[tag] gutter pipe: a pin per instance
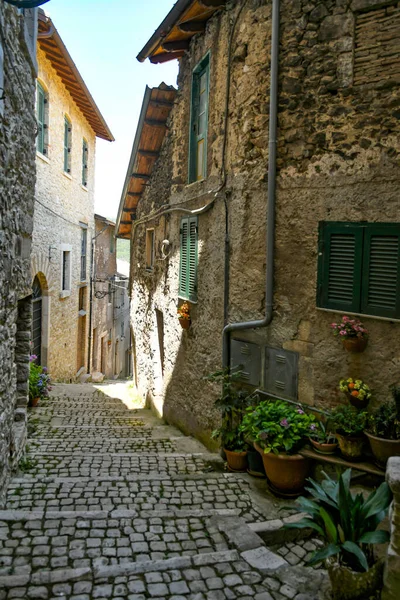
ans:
(270, 233)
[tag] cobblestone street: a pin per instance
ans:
(110, 503)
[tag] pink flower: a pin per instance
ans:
(300, 411)
(284, 423)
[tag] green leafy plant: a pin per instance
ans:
(348, 420)
(356, 388)
(320, 432)
(39, 380)
(347, 522)
(231, 404)
(277, 426)
(384, 422)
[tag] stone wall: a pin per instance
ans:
(17, 183)
(62, 204)
(391, 589)
(338, 160)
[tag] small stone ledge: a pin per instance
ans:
(273, 532)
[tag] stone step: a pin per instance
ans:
(95, 433)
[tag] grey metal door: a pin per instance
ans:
(37, 319)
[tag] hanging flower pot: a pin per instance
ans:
(355, 344)
(185, 323)
(184, 315)
(352, 333)
(33, 402)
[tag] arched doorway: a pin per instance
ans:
(37, 319)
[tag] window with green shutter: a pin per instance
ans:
(199, 121)
(359, 268)
(41, 101)
(188, 259)
(67, 144)
(85, 155)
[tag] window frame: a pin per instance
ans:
(112, 241)
(42, 125)
(66, 249)
(185, 291)
(85, 162)
(194, 139)
(363, 233)
(84, 238)
(67, 144)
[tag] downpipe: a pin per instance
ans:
(271, 196)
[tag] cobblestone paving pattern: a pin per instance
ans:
(96, 514)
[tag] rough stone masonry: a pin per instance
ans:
(17, 184)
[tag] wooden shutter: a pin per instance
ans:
(188, 259)
(199, 121)
(381, 270)
(84, 162)
(67, 127)
(40, 118)
(340, 264)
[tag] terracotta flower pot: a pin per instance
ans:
(351, 446)
(185, 323)
(237, 461)
(286, 472)
(324, 448)
(351, 585)
(256, 465)
(355, 344)
(383, 449)
(33, 402)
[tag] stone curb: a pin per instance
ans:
(272, 532)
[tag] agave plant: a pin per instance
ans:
(346, 521)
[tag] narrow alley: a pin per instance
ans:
(111, 503)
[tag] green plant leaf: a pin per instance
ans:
(330, 527)
(303, 524)
(375, 537)
(356, 551)
(377, 501)
(323, 554)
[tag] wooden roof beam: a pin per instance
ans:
(212, 3)
(176, 46)
(143, 176)
(134, 194)
(192, 26)
(161, 104)
(165, 57)
(148, 153)
(155, 123)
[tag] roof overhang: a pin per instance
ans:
(150, 133)
(104, 220)
(50, 42)
(172, 38)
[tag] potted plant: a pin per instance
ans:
(357, 392)
(254, 459)
(184, 315)
(279, 431)
(348, 524)
(231, 404)
(39, 382)
(349, 426)
(383, 430)
(323, 440)
(352, 333)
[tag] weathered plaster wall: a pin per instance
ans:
(337, 160)
(62, 202)
(17, 182)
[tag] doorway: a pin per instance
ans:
(37, 320)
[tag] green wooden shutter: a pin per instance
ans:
(188, 259)
(199, 121)
(183, 269)
(381, 271)
(192, 251)
(84, 162)
(40, 118)
(340, 266)
(67, 127)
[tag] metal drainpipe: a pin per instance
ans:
(270, 236)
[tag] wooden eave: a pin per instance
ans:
(62, 63)
(150, 133)
(170, 41)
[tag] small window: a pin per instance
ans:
(149, 249)
(83, 253)
(199, 121)
(188, 259)
(42, 119)
(112, 241)
(122, 329)
(109, 292)
(67, 144)
(359, 268)
(82, 298)
(66, 270)
(85, 155)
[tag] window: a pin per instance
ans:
(122, 329)
(109, 292)
(83, 252)
(359, 268)
(85, 155)
(112, 241)
(199, 121)
(1, 80)
(67, 144)
(66, 271)
(82, 299)
(149, 249)
(188, 261)
(41, 115)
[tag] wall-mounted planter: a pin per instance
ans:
(356, 402)
(185, 323)
(355, 344)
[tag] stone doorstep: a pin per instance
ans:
(273, 533)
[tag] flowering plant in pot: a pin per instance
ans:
(231, 404)
(347, 522)
(352, 333)
(383, 431)
(39, 381)
(323, 440)
(357, 392)
(349, 426)
(183, 313)
(279, 430)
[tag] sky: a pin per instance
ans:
(103, 38)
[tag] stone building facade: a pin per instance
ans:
(110, 308)
(68, 123)
(337, 163)
(18, 70)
